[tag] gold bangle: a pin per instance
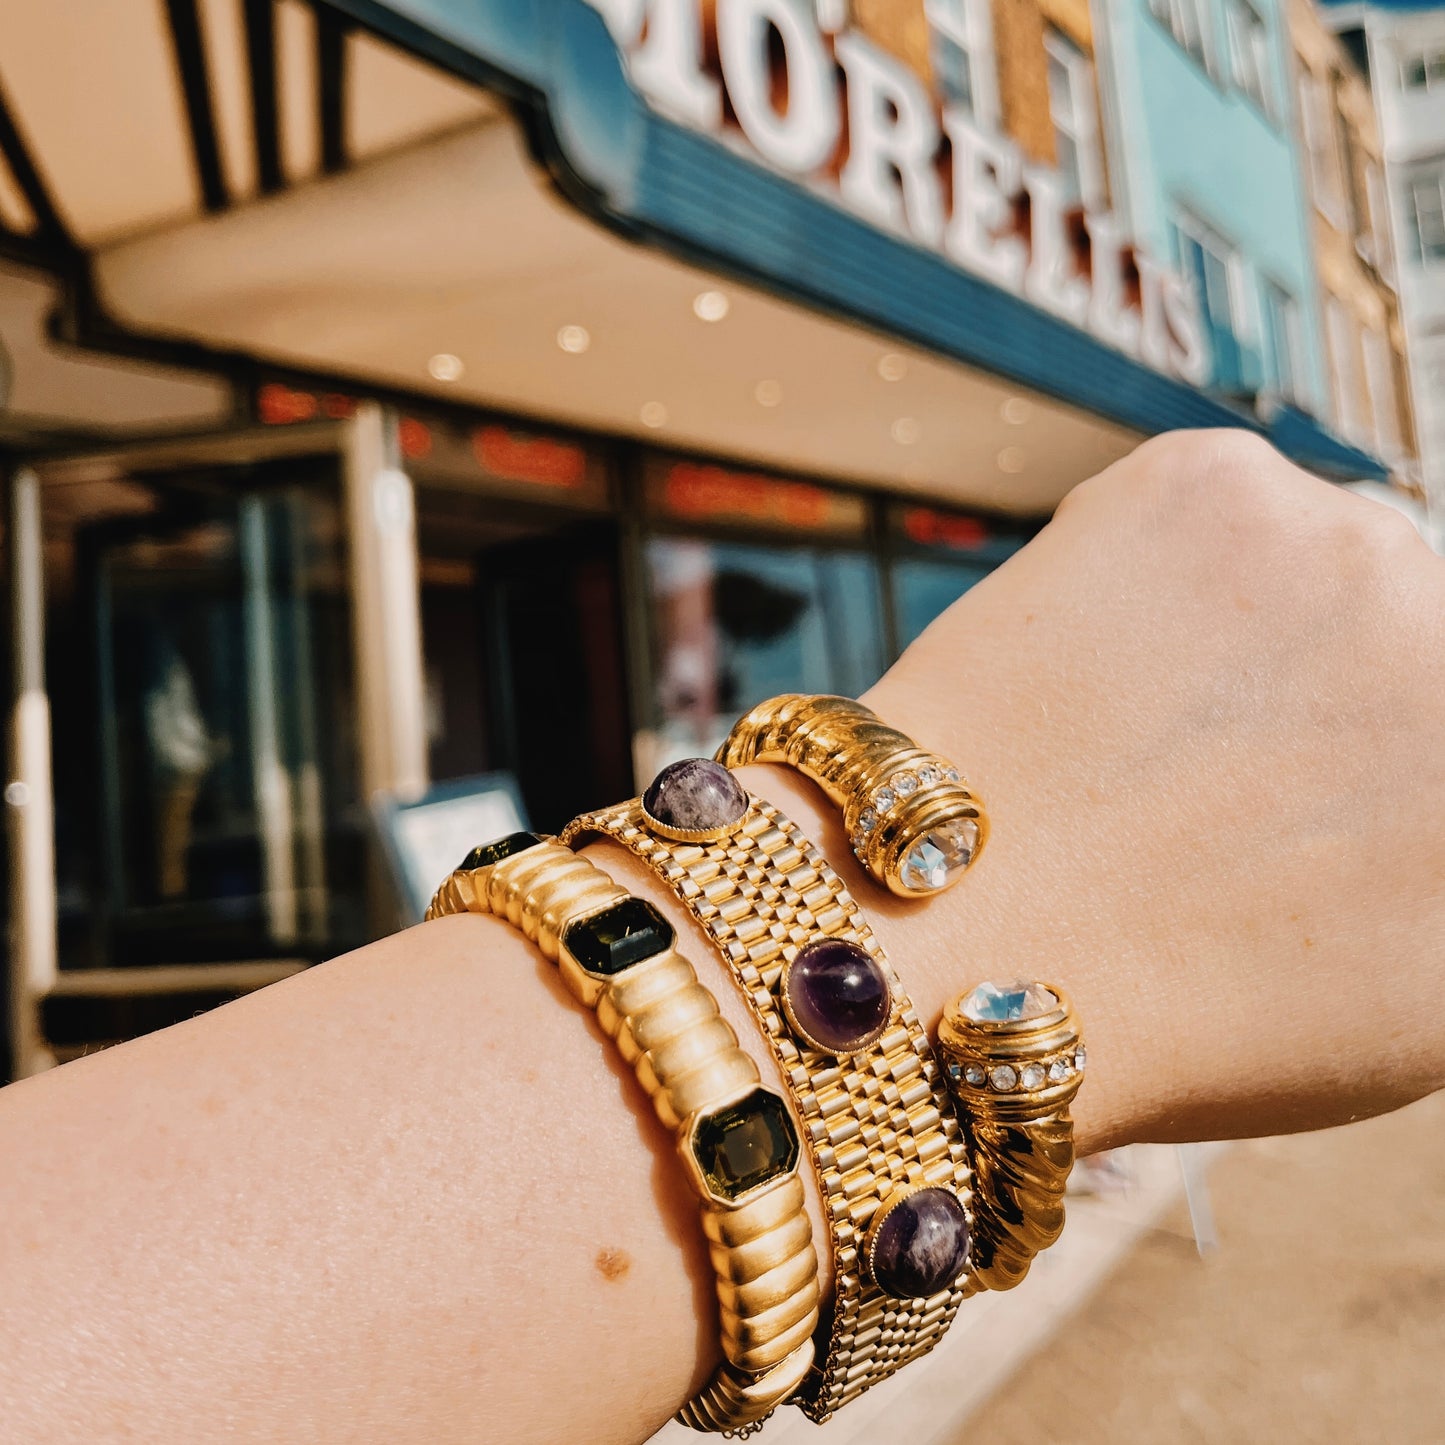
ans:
(888, 1149)
(736, 1138)
(911, 818)
(1014, 1060)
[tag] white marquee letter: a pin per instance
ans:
(801, 139)
(987, 173)
(1052, 281)
(668, 68)
(891, 126)
(1188, 351)
(1111, 318)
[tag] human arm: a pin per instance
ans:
(406, 1196)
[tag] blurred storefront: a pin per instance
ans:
(407, 392)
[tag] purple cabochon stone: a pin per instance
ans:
(695, 795)
(922, 1245)
(838, 994)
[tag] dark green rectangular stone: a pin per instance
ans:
(499, 848)
(618, 937)
(746, 1144)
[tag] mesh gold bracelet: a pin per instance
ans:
(1014, 1051)
(737, 1139)
(890, 1154)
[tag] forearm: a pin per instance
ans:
(410, 1186)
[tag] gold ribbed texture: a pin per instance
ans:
(844, 748)
(666, 1025)
(875, 1120)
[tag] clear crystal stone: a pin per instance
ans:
(975, 1075)
(1033, 1076)
(1058, 1071)
(867, 820)
(884, 799)
(1080, 1058)
(928, 775)
(1003, 1077)
(954, 1072)
(905, 784)
(952, 774)
(932, 861)
(1009, 1003)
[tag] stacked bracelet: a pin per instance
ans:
(737, 1138)
(890, 1154)
(1014, 1050)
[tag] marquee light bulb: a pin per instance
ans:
(710, 305)
(446, 367)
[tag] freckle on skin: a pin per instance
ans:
(612, 1264)
(213, 1104)
(1309, 942)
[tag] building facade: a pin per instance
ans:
(376, 366)
(1355, 256)
(1201, 117)
(1402, 49)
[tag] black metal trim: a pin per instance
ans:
(190, 54)
(260, 17)
(48, 225)
(332, 78)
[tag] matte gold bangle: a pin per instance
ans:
(890, 1154)
(913, 821)
(736, 1138)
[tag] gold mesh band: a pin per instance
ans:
(877, 1120)
(666, 1025)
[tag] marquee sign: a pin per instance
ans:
(825, 106)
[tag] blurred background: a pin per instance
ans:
(418, 417)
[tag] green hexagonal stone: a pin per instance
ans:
(628, 932)
(497, 849)
(746, 1144)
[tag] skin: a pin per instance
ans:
(401, 1198)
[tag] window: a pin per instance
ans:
(962, 50)
(1425, 214)
(1249, 53)
(1380, 375)
(1424, 70)
(1075, 120)
(736, 622)
(1321, 137)
(1345, 370)
(1188, 22)
(1281, 318)
(1215, 268)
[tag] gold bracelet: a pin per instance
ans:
(890, 1154)
(1015, 1050)
(737, 1139)
(1014, 1060)
(911, 818)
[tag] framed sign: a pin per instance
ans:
(425, 838)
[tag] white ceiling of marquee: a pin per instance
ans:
(457, 248)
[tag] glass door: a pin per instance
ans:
(228, 809)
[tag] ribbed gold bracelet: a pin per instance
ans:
(737, 1139)
(890, 1154)
(913, 821)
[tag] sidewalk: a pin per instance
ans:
(1321, 1321)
